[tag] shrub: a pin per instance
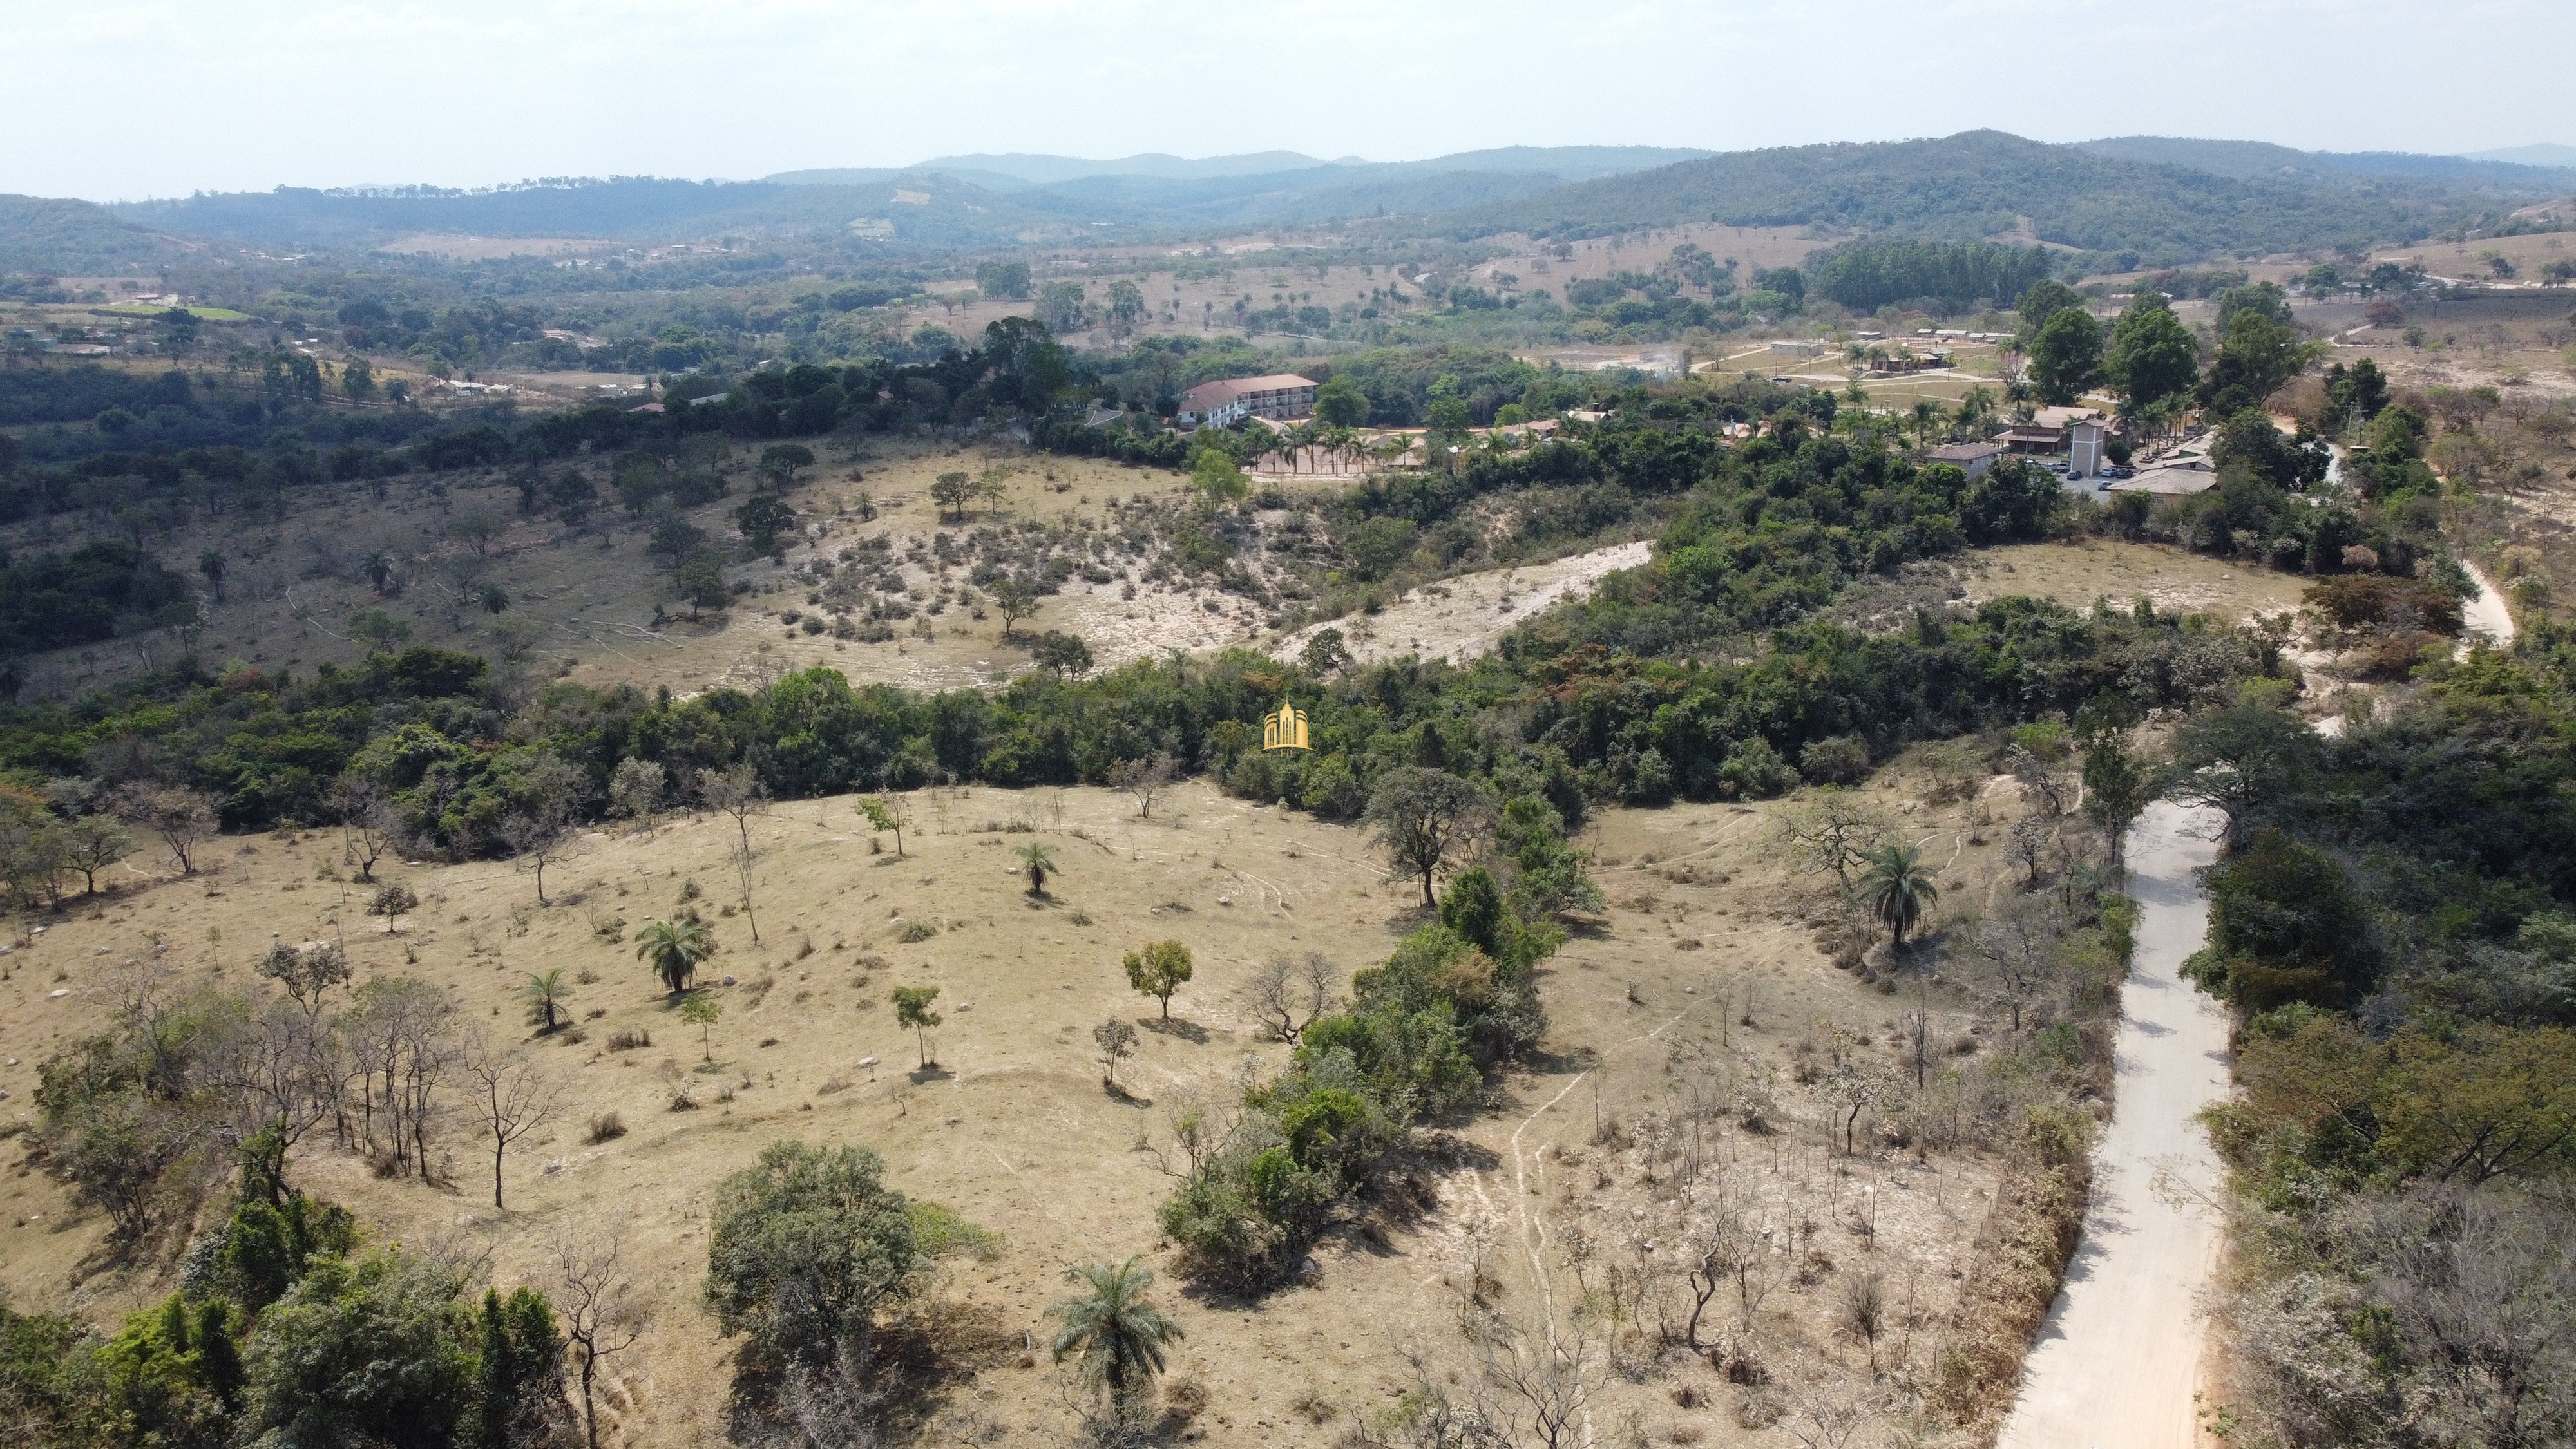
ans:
(1840, 760)
(804, 1249)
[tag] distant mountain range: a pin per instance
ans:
(2525, 169)
(2169, 199)
(2544, 154)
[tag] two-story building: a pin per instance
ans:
(1282, 396)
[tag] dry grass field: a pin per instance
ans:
(1701, 984)
(586, 610)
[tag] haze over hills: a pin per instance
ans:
(1989, 183)
(2168, 199)
(2247, 160)
(2545, 153)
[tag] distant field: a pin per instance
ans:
(491, 248)
(150, 309)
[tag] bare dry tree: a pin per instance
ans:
(180, 819)
(737, 791)
(1827, 1411)
(368, 822)
(513, 1097)
(1543, 1380)
(2042, 782)
(1288, 995)
(1143, 780)
(596, 1307)
(2018, 951)
(1835, 831)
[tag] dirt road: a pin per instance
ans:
(2117, 1364)
(2486, 614)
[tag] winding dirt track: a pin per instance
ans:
(2118, 1362)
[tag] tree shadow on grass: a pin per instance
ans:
(931, 1073)
(915, 1364)
(1188, 1031)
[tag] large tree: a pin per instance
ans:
(2066, 356)
(2152, 356)
(802, 1250)
(1424, 818)
(2237, 759)
(2257, 357)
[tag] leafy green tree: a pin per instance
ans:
(803, 1249)
(1061, 654)
(1326, 654)
(1422, 817)
(1340, 403)
(763, 519)
(210, 562)
(1061, 308)
(544, 995)
(2258, 356)
(1553, 877)
(1120, 1337)
(2480, 1103)
(701, 583)
(2238, 759)
(378, 630)
(1003, 281)
(1035, 860)
(912, 1009)
(2152, 356)
(886, 814)
(2066, 356)
(2117, 788)
(393, 902)
(1162, 968)
(674, 949)
(1218, 480)
(518, 1373)
(701, 1011)
(1115, 1039)
(375, 1350)
(952, 491)
(2042, 300)
(162, 1373)
(1897, 887)
(1126, 310)
(779, 462)
(1015, 599)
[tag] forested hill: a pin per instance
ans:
(920, 207)
(48, 234)
(1977, 184)
(2261, 159)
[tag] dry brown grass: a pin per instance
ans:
(1015, 1132)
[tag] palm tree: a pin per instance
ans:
(1119, 1335)
(674, 949)
(1035, 860)
(545, 995)
(1898, 889)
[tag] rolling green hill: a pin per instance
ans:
(46, 234)
(1974, 184)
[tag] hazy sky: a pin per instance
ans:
(133, 98)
